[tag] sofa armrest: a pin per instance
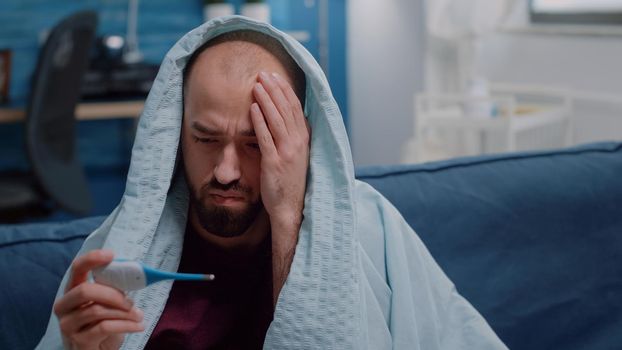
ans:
(33, 260)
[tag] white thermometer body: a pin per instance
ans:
(130, 275)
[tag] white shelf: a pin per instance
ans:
(541, 117)
(455, 120)
(564, 29)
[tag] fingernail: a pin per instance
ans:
(276, 75)
(263, 75)
(139, 312)
(106, 254)
(129, 302)
(258, 86)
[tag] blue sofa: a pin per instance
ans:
(533, 240)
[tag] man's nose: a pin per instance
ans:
(228, 168)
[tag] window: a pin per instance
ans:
(576, 11)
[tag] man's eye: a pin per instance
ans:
(253, 145)
(204, 140)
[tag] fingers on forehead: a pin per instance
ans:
(287, 89)
(264, 137)
(293, 100)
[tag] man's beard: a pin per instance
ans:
(219, 220)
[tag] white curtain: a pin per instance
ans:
(454, 28)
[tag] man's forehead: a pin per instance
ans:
(228, 55)
(239, 59)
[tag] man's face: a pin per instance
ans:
(220, 151)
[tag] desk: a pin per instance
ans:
(84, 111)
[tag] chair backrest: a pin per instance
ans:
(50, 123)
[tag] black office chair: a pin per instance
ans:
(57, 178)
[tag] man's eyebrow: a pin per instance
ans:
(204, 129)
(248, 133)
(209, 131)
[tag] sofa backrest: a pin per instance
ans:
(532, 240)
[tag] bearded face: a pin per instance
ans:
(221, 155)
(223, 209)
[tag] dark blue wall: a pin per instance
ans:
(105, 145)
(161, 23)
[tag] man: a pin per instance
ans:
(245, 148)
(307, 256)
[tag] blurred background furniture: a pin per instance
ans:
(510, 118)
(113, 89)
(84, 111)
(56, 177)
(531, 239)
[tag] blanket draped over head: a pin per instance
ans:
(360, 277)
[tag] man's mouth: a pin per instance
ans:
(225, 198)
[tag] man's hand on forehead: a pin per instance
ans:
(283, 137)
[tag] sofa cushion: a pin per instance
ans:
(532, 240)
(33, 260)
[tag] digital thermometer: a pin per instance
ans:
(128, 275)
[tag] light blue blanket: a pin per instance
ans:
(360, 278)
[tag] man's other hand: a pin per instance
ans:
(91, 315)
